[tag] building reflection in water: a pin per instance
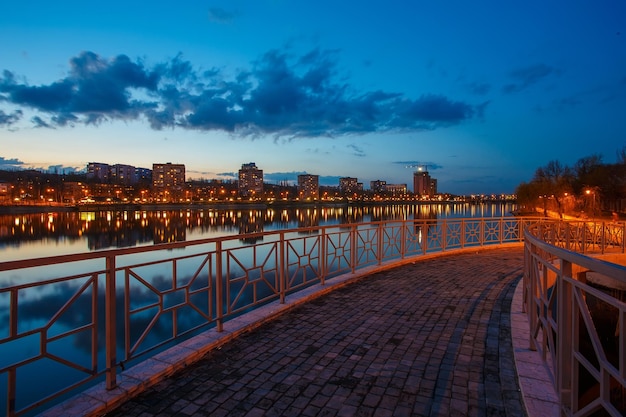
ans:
(127, 228)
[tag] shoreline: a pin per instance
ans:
(65, 208)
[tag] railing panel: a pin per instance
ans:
(578, 323)
(304, 261)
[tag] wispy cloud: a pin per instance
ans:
(528, 76)
(282, 95)
(356, 150)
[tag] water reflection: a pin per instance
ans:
(127, 228)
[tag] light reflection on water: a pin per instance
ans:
(27, 236)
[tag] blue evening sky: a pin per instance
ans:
(481, 92)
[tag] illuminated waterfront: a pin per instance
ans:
(24, 236)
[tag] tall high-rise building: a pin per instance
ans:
(309, 186)
(348, 185)
(168, 181)
(423, 184)
(250, 181)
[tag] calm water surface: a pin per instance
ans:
(24, 236)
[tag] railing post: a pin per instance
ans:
(12, 373)
(603, 239)
(353, 254)
(403, 238)
(532, 296)
(482, 231)
(462, 233)
(623, 236)
(219, 297)
(565, 330)
(110, 324)
(282, 273)
(444, 226)
(424, 227)
(323, 257)
(379, 252)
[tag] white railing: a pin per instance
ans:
(83, 318)
(577, 314)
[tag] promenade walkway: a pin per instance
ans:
(431, 338)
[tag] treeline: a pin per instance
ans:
(590, 187)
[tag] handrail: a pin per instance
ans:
(121, 305)
(577, 312)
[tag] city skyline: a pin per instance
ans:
(482, 95)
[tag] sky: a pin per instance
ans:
(480, 93)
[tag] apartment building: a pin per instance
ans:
(309, 187)
(250, 181)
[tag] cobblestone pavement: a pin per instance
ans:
(426, 339)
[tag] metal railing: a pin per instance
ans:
(83, 318)
(576, 307)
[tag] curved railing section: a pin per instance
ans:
(575, 301)
(76, 320)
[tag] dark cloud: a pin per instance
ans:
(527, 76)
(7, 119)
(228, 174)
(10, 163)
(356, 150)
(95, 88)
(281, 95)
(219, 15)
(39, 122)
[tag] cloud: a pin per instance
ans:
(528, 76)
(282, 95)
(219, 15)
(39, 122)
(10, 163)
(228, 174)
(356, 150)
(7, 119)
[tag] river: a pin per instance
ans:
(34, 235)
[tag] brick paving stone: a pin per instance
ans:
(431, 338)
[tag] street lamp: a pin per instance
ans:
(590, 192)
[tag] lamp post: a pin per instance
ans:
(590, 192)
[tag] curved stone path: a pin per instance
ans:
(432, 338)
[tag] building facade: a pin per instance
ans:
(378, 186)
(309, 187)
(396, 189)
(168, 181)
(123, 174)
(349, 185)
(250, 181)
(423, 184)
(98, 171)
